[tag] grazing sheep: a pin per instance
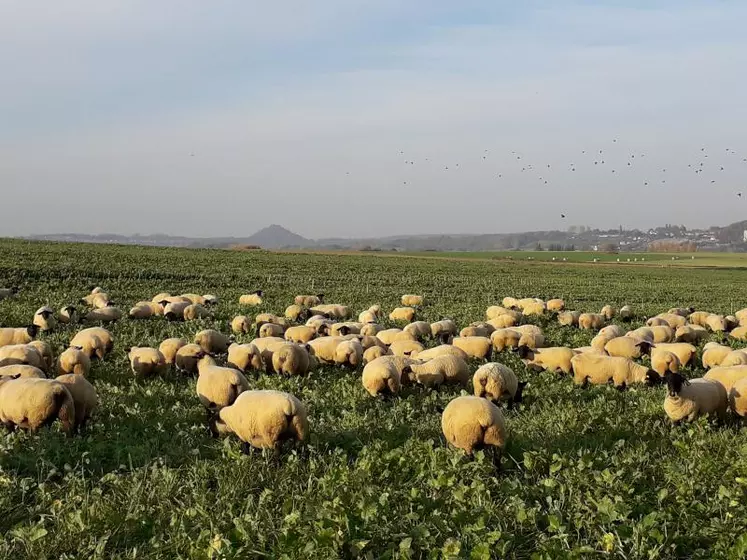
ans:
(569, 318)
(510, 303)
(591, 321)
(31, 403)
(442, 350)
(727, 376)
(170, 347)
(444, 369)
(291, 359)
(627, 347)
(409, 300)
(497, 310)
(503, 321)
(45, 351)
(241, 324)
(45, 319)
(108, 314)
(403, 314)
(383, 375)
(370, 315)
(20, 354)
(479, 347)
(608, 312)
(348, 353)
(713, 354)
(443, 326)
(212, 341)
(145, 310)
(67, 315)
(471, 423)
(321, 324)
(21, 370)
(692, 334)
(194, 299)
(97, 300)
(6, 293)
(687, 400)
(332, 310)
(324, 348)
(187, 358)
(685, 352)
(218, 387)
(555, 359)
(409, 348)
(731, 322)
(266, 347)
(388, 336)
(625, 313)
(739, 333)
(163, 296)
(533, 308)
(344, 329)
(662, 333)
(196, 311)
(664, 361)
(642, 333)
(528, 302)
(374, 352)
(309, 301)
(505, 338)
(263, 419)
(210, 299)
(699, 318)
(270, 330)
(476, 331)
(717, 323)
(371, 329)
(146, 361)
(244, 357)
(174, 311)
(673, 320)
(656, 322)
(599, 369)
(263, 318)
(497, 382)
(94, 341)
(13, 336)
(682, 311)
(296, 313)
(555, 305)
(589, 349)
(84, 396)
(419, 329)
(300, 334)
(253, 299)
(734, 358)
(738, 398)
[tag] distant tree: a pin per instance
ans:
(570, 247)
(609, 248)
(538, 247)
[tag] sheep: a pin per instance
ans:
(673, 320)
(263, 419)
(599, 369)
(74, 360)
(324, 348)
(534, 308)
(687, 400)
(244, 357)
(21, 370)
(6, 293)
(717, 323)
(290, 359)
(738, 398)
(409, 300)
(31, 403)
(569, 318)
(713, 354)
(263, 318)
(270, 330)
(320, 324)
(344, 329)
(374, 352)
(625, 313)
(309, 301)
(727, 376)
(174, 311)
(605, 335)
(296, 313)
(656, 322)
(442, 350)
(555, 359)
(158, 298)
(146, 361)
(419, 329)
(45, 319)
(196, 311)
(555, 305)
(406, 348)
(170, 347)
(692, 334)
(349, 353)
(682, 311)
(218, 387)
(67, 315)
(266, 347)
(212, 341)
(108, 314)
(608, 312)
(300, 334)
(591, 321)
(97, 300)
(664, 361)
(510, 303)
(19, 354)
(479, 347)
(444, 369)
(85, 398)
(45, 351)
(383, 376)
(241, 324)
(13, 336)
(388, 336)
(699, 318)
(210, 299)
(589, 350)
(471, 423)
(503, 321)
(528, 302)
(194, 299)
(370, 315)
(403, 314)
(145, 310)
(253, 299)
(187, 358)
(684, 351)
(642, 333)
(731, 322)
(496, 311)
(333, 310)
(497, 382)
(662, 333)
(627, 347)
(94, 341)
(443, 326)
(476, 331)
(505, 338)
(739, 333)
(734, 358)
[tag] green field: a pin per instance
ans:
(587, 472)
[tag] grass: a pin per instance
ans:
(586, 473)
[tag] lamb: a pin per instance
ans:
(599, 369)
(569, 318)
(196, 311)
(45, 351)
(409, 300)
(444, 369)
(253, 299)
(291, 359)
(687, 400)
(713, 354)
(94, 341)
(555, 359)
(374, 352)
(662, 333)
(419, 329)
(442, 350)
(443, 326)
(591, 321)
(174, 311)
(627, 347)
(692, 334)
(309, 301)
(31, 403)
(685, 352)
(263, 419)
(245, 357)
(67, 315)
(505, 338)
(727, 376)
(187, 358)
(146, 361)
(734, 358)
(13, 336)
(20, 354)
(664, 361)
(625, 313)
(218, 387)
(608, 312)
(170, 347)
(479, 347)
(405, 314)
(555, 305)
(296, 313)
(320, 324)
(85, 398)
(300, 334)
(241, 324)
(270, 330)
(212, 341)
(471, 423)
(738, 398)
(497, 382)
(107, 314)
(6, 293)
(45, 319)
(731, 322)
(370, 315)
(409, 348)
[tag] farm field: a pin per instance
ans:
(586, 472)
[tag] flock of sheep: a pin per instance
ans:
(313, 333)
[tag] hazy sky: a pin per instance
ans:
(219, 118)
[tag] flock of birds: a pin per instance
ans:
(312, 333)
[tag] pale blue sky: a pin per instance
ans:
(296, 113)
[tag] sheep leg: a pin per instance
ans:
(497, 454)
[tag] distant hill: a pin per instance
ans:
(277, 237)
